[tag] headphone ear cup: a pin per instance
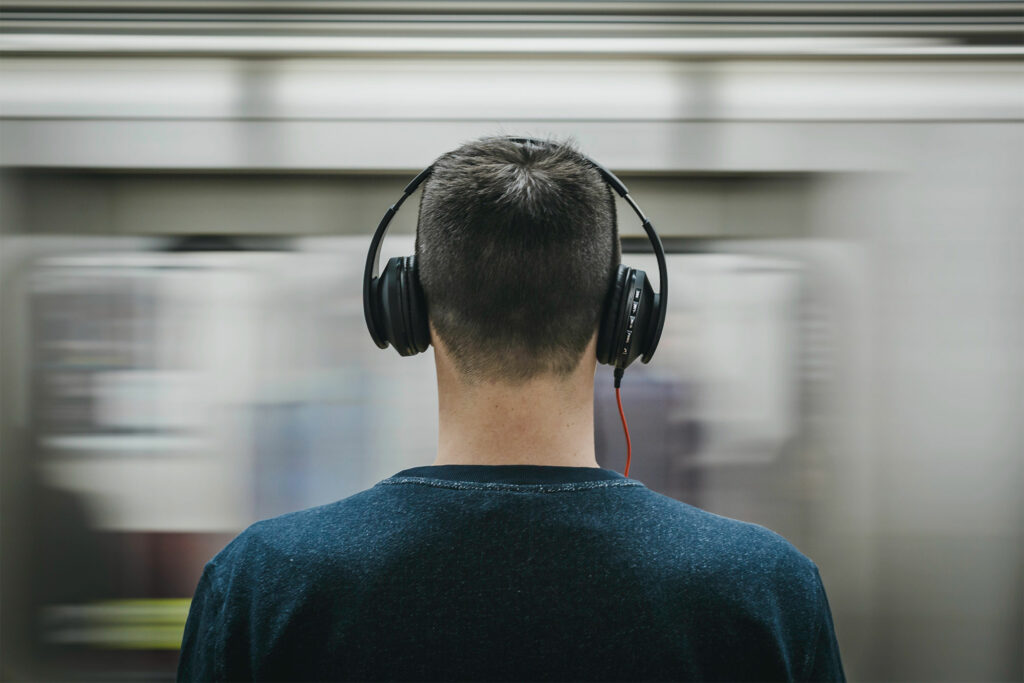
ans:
(611, 316)
(639, 316)
(416, 305)
(626, 327)
(389, 289)
(403, 308)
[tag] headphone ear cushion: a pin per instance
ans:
(613, 307)
(392, 317)
(416, 305)
(373, 303)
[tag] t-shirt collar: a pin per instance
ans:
(511, 474)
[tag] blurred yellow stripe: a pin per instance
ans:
(146, 624)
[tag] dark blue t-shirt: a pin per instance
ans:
(514, 573)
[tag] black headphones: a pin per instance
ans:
(631, 323)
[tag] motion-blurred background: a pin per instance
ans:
(186, 197)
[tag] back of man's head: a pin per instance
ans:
(516, 249)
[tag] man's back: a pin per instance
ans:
(473, 572)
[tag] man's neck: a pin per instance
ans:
(545, 421)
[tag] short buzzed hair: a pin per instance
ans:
(516, 249)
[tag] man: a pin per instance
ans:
(513, 556)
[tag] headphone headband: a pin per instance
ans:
(372, 270)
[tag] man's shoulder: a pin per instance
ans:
(294, 540)
(717, 544)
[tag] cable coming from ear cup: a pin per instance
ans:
(625, 429)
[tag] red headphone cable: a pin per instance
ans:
(625, 427)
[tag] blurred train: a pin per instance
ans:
(186, 197)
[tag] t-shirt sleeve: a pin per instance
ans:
(211, 646)
(824, 662)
